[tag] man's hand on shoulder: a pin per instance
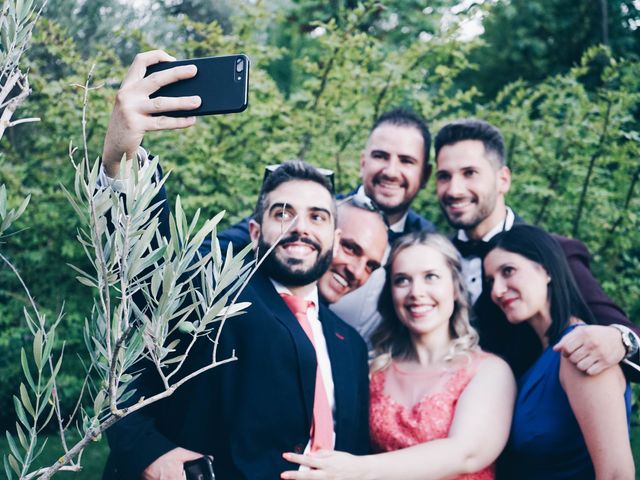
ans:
(170, 466)
(133, 110)
(592, 348)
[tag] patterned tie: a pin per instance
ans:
(322, 426)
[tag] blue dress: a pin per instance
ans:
(545, 441)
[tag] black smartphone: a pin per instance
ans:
(221, 82)
(200, 469)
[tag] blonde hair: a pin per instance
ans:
(392, 339)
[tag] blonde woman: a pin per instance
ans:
(440, 407)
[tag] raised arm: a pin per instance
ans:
(478, 434)
(138, 448)
(132, 114)
(598, 404)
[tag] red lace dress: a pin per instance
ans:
(412, 407)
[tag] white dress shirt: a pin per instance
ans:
(472, 266)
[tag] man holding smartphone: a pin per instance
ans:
(300, 381)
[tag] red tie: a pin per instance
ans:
(322, 426)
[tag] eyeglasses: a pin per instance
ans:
(325, 172)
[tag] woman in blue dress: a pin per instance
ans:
(566, 424)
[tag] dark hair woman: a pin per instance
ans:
(566, 424)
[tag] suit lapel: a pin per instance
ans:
(341, 366)
(517, 219)
(305, 352)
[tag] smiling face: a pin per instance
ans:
(422, 291)
(519, 288)
(302, 211)
(363, 240)
(392, 168)
(471, 187)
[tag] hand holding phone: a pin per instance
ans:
(131, 117)
(221, 82)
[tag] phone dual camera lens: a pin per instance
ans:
(240, 67)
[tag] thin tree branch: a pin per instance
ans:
(610, 235)
(594, 157)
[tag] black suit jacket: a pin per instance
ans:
(248, 412)
(519, 344)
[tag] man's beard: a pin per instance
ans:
(387, 209)
(392, 210)
(286, 272)
(463, 224)
(484, 210)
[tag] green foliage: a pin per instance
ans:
(35, 162)
(531, 40)
(128, 259)
(93, 459)
(572, 139)
(574, 156)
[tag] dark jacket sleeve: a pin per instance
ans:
(238, 235)
(364, 440)
(605, 311)
(135, 441)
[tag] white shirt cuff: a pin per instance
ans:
(118, 184)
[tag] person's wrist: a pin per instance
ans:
(628, 340)
(112, 164)
(370, 468)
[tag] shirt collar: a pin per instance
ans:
(312, 296)
(397, 227)
(504, 224)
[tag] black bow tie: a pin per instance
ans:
(472, 248)
(393, 235)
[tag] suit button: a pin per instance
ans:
(298, 448)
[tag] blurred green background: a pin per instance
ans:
(561, 78)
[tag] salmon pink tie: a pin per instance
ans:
(322, 426)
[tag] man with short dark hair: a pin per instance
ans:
(394, 167)
(357, 254)
(300, 379)
(472, 180)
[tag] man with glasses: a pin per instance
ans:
(300, 379)
(357, 254)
